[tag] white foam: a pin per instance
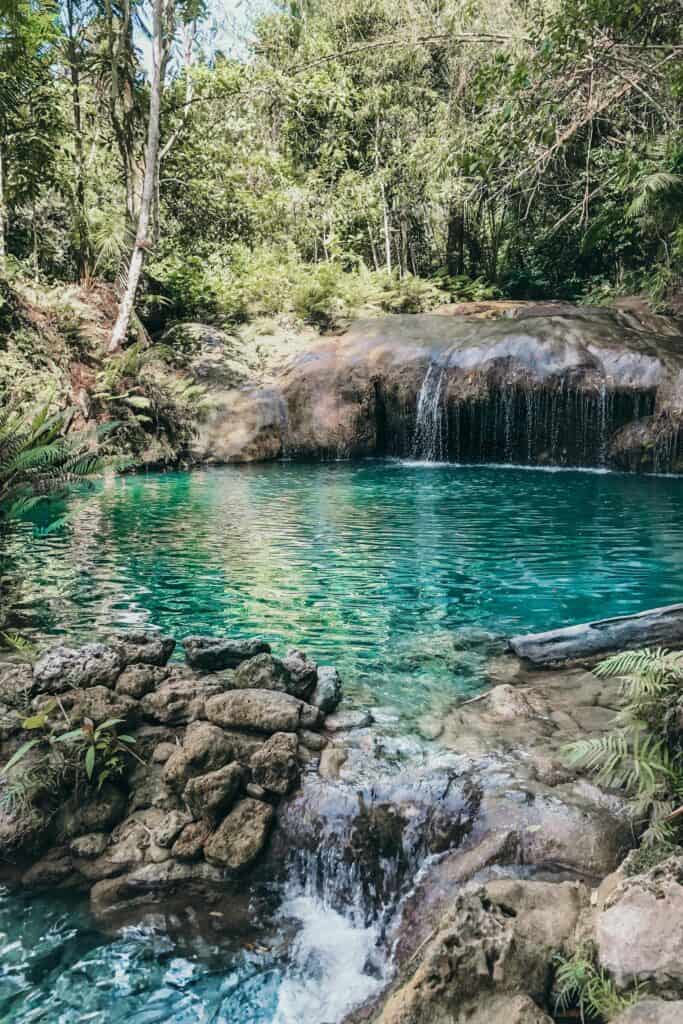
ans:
(334, 965)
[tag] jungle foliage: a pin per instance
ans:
(367, 153)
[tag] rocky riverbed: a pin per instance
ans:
(470, 851)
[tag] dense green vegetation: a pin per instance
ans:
(393, 153)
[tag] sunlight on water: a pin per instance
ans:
(388, 573)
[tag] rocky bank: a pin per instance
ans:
(214, 745)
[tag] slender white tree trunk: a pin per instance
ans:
(160, 22)
(3, 251)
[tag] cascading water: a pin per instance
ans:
(429, 439)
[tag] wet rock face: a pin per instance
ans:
(195, 806)
(547, 385)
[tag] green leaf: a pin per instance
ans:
(90, 761)
(19, 754)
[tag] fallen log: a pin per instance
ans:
(588, 642)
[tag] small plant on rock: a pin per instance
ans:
(582, 985)
(643, 754)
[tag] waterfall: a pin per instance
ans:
(429, 437)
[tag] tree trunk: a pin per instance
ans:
(3, 249)
(387, 231)
(160, 41)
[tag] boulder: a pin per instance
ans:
(212, 654)
(141, 648)
(211, 795)
(341, 721)
(63, 668)
(190, 843)
(261, 710)
(137, 680)
(94, 812)
(328, 689)
(241, 835)
(205, 748)
(166, 833)
(303, 674)
(639, 932)
(151, 879)
(652, 1011)
(89, 846)
(263, 672)
(275, 766)
(99, 704)
(16, 685)
(180, 699)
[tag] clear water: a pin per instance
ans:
(387, 570)
(390, 571)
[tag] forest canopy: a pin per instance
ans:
(394, 150)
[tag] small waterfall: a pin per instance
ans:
(429, 438)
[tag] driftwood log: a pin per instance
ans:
(591, 641)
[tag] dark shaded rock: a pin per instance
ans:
(252, 789)
(303, 674)
(212, 654)
(311, 740)
(148, 788)
(16, 685)
(132, 844)
(211, 795)
(137, 680)
(89, 846)
(328, 689)
(261, 710)
(241, 836)
(263, 672)
(141, 648)
(62, 668)
(189, 845)
(55, 868)
(96, 812)
(151, 880)
(275, 766)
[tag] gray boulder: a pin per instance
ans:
(210, 796)
(241, 835)
(275, 766)
(639, 932)
(142, 648)
(62, 668)
(16, 685)
(138, 680)
(261, 710)
(205, 748)
(213, 654)
(328, 689)
(652, 1011)
(98, 703)
(190, 843)
(303, 674)
(263, 672)
(180, 699)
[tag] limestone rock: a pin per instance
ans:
(16, 685)
(190, 843)
(163, 751)
(343, 720)
(168, 830)
(261, 710)
(519, 1009)
(137, 680)
(262, 672)
(205, 748)
(180, 699)
(52, 870)
(148, 788)
(98, 812)
(144, 648)
(303, 674)
(275, 766)
(99, 704)
(150, 879)
(652, 1011)
(62, 668)
(89, 846)
(312, 740)
(328, 689)
(212, 654)
(211, 795)
(241, 835)
(639, 932)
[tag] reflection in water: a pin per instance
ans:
(382, 568)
